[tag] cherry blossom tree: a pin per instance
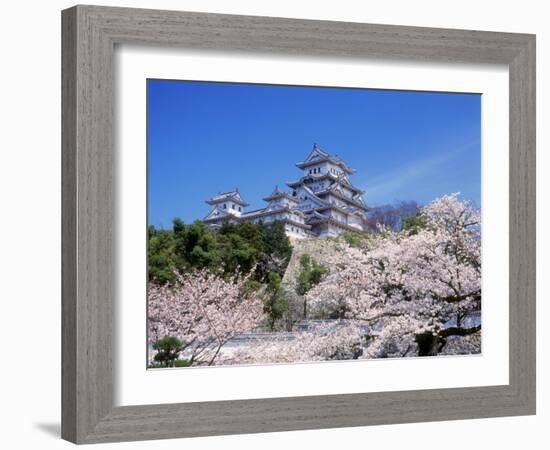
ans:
(400, 293)
(414, 290)
(323, 341)
(202, 310)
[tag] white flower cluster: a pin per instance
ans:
(408, 283)
(204, 311)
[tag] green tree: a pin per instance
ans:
(242, 246)
(356, 239)
(275, 240)
(252, 234)
(195, 246)
(168, 351)
(251, 286)
(236, 254)
(275, 299)
(414, 224)
(311, 274)
(277, 250)
(161, 255)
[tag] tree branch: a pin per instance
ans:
(458, 331)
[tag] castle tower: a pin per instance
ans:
(320, 162)
(227, 206)
(332, 204)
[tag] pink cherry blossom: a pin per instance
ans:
(374, 303)
(204, 311)
(406, 284)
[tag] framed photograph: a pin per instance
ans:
(278, 224)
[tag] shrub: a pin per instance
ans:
(354, 238)
(414, 224)
(182, 363)
(275, 300)
(311, 274)
(168, 350)
(177, 363)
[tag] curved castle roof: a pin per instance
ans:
(233, 196)
(318, 155)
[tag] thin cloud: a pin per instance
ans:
(391, 182)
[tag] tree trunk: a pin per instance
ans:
(428, 344)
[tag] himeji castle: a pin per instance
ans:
(322, 203)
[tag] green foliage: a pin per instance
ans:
(161, 255)
(251, 286)
(177, 363)
(275, 299)
(414, 224)
(168, 350)
(276, 251)
(355, 239)
(182, 363)
(249, 232)
(240, 247)
(275, 240)
(243, 247)
(311, 274)
(196, 246)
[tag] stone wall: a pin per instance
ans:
(318, 249)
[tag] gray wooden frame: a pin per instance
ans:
(89, 37)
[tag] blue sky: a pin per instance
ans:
(205, 138)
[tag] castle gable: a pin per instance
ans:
(316, 154)
(230, 196)
(217, 214)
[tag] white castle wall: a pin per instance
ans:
(325, 167)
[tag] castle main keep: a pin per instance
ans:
(322, 203)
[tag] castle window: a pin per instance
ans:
(232, 206)
(224, 206)
(240, 209)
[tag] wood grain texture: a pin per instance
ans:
(68, 226)
(89, 37)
